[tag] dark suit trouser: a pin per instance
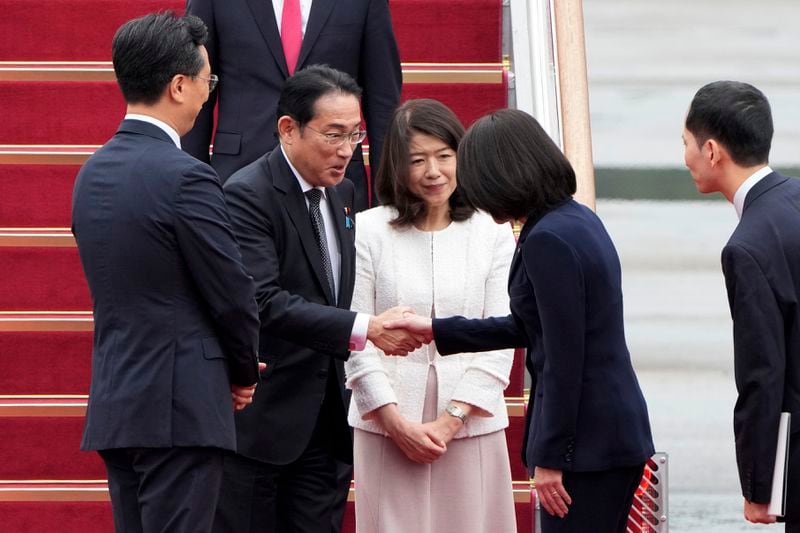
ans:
(299, 497)
(601, 501)
(163, 489)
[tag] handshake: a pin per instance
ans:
(398, 331)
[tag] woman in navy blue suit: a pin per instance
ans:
(588, 434)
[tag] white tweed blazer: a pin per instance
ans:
(460, 270)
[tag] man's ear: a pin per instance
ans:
(715, 152)
(287, 129)
(177, 88)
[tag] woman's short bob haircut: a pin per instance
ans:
(509, 167)
(429, 117)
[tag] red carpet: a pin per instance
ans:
(36, 195)
(45, 362)
(42, 279)
(58, 517)
(427, 30)
(46, 448)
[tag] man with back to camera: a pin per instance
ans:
(255, 45)
(175, 317)
(727, 138)
(297, 240)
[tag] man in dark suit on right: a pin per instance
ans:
(255, 45)
(727, 138)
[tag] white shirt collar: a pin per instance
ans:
(161, 124)
(744, 188)
(304, 185)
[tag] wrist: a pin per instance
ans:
(457, 416)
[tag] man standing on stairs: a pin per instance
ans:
(175, 317)
(290, 213)
(255, 45)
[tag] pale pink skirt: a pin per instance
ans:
(467, 490)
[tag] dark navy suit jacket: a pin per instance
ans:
(175, 317)
(761, 263)
(245, 50)
(587, 412)
(305, 331)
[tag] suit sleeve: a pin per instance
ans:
(209, 248)
(556, 275)
(283, 314)
(198, 141)
(457, 334)
(366, 375)
(381, 78)
(759, 365)
(486, 377)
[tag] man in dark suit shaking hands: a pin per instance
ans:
(295, 228)
(727, 138)
(175, 318)
(255, 45)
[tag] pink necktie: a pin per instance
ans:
(291, 33)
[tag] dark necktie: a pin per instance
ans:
(314, 197)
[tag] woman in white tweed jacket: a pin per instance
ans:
(430, 448)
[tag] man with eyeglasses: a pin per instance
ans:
(175, 315)
(295, 230)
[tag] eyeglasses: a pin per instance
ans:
(212, 80)
(338, 139)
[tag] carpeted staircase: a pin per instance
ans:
(59, 102)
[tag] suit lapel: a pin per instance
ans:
(320, 11)
(264, 15)
(345, 248)
(296, 208)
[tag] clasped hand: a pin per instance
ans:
(421, 442)
(242, 396)
(398, 331)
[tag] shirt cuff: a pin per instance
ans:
(358, 336)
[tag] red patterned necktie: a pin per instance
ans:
(291, 33)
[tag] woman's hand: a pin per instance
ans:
(415, 440)
(443, 429)
(551, 491)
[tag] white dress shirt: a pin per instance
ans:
(155, 122)
(744, 188)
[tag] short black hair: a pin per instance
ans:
(509, 167)
(149, 51)
(735, 114)
(429, 117)
(300, 92)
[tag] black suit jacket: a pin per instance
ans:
(244, 48)
(175, 317)
(565, 286)
(761, 263)
(305, 332)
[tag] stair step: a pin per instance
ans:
(88, 71)
(44, 362)
(42, 278)
(472, 31)
(96, 108)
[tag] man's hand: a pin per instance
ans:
(243, 396)
(420, 326)
(757, 513)
(393, 342)
(414, 439)
(551, 491)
